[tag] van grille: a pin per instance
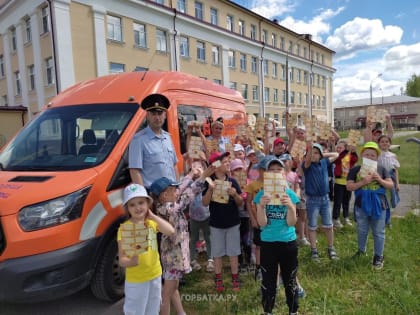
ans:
(2, 239)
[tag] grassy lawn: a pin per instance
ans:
(347, 286)
(408, 156)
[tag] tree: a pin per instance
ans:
(412, 86)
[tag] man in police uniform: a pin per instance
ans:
(151, 152)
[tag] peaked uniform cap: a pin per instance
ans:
(155, 102)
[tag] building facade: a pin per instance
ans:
(404, 111)
(47, 46)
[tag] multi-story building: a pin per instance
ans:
(46, 46)
(404, 111)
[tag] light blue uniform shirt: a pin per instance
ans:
(154, 155)
(277, 229)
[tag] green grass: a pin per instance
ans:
(347, 286)
(408, 156)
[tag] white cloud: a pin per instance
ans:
(272, 8)
(403, 61)
(363, 34)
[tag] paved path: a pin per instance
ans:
(410, 199)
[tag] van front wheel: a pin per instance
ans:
(108, 280)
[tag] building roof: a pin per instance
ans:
(376, 101)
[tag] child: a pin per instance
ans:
(237, 169)
(143, 271)
(278, 244)
(390, 161)
(224, 221)
(199, 219)
(174, 249)
(315, 168)
(347, 158)
(370, 203)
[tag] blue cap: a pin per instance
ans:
(272, 159)
(263, 161)
(161, 184)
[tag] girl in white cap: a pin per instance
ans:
(138, 252)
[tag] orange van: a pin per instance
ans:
(62, 177)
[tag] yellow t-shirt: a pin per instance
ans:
(149, 263)
(345, 168)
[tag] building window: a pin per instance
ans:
(231, 59)
(213, 16)
(28, 32)
(298, 49)
(17, 83)
(1, 66)
(305, 53)
(233, 85)
(161, 40)
(283, 96)
(299, 98)
(255, 93)
(254, 65)
(322, 59)
(292, 97)
(274, 70)
(31, 74)
(318, 80)
(4, 100)
(49, 67)
(217, 81)
(116, 67)
(275, 95)
(282, 43)
(264, 36)
(283, 72)
(13, 39)
(273, 40)
(201, 51)
(241, 27)
(181, 6)
(45, 20)
(244, 88)
(184, 46)
(266, 94)
(253, 32)
(114, 28)
(198, 10)
(305, 78)
(160, 2)
(265, 67)
(324, 102)
(298, 75)
(243, 62)
(140, 35)
(229, 23)
(215, 53)
(306, 99)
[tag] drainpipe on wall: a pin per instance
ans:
(54, 49)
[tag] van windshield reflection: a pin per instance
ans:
(68, 138)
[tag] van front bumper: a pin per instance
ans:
(47, 276)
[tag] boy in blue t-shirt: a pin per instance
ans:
(278, 243)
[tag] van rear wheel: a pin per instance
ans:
(108, 280)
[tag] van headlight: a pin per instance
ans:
(53, 212)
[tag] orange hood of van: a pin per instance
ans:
(21, 189)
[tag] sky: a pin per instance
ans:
(375, 41)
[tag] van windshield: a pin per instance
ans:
(68, 138)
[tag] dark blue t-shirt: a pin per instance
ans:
(316, 178)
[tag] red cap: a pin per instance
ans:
(278, 141)
(217, 156)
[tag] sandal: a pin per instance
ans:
(332, 254)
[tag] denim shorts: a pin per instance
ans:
(318, 205)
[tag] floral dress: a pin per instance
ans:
(175, 250)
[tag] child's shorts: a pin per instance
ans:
(318, 206)
(225, 242)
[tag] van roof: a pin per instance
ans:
(134, 86)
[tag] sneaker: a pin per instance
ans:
(332, 254)
(301, 292)
(304, 242)
(337, 223)
(195, 265)
(258, 274)
(236, 283)
(315, 255)
(347, 222)
(210, 265)
(378, 262)
(218, 281)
